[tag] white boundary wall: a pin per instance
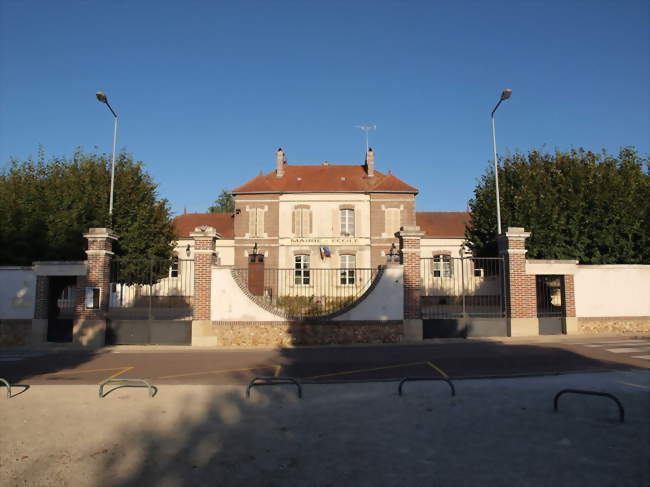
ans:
(384, 303)
(17, 293)
(612, 290)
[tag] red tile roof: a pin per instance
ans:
(224, 223)
(325, 178)
(442, 223)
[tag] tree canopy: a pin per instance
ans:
(225, 203)
(578, 205)
(47, 206)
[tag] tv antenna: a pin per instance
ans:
(366, 129)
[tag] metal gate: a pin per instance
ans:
(150, 302)
(462, 296)
(550, 304)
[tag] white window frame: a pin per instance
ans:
(347, 272)
(301, 270)
(174, 268)
(442, 266)
(347, 222)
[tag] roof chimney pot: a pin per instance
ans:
(370, 163)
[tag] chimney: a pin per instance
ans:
(280, 161)
(370, 163)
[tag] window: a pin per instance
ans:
(173, 268)
(348, 264)
(442, 265)
(301, 222)
(301, 270)
(256, 222)
(393, 221)
(347, 222)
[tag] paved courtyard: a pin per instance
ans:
(494, 432)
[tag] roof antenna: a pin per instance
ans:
(366, 129)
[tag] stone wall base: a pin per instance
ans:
(89, 333)
(277, 333)
(203, 334)
(39, 331)
(614, 324)
(523, 327)
(15, 333)
(413, 330)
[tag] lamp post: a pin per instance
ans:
(101, 96)
(504, 96)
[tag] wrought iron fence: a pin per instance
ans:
(454, 287)
(151, 288)
(305, 292)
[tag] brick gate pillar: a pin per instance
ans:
(93, 290)
(204, 239)
(409, 239)
(520, 292)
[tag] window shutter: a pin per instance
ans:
(306, 222)
(351, 214)
(392, 220)
(295, 223)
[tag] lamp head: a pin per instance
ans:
(101, 96)
(506, 94)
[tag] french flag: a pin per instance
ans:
(325, 252)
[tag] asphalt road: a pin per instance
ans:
(453, 358)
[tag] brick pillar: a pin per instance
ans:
(89, 327)
(204, 239)
(569, 300)
(409, 238)
(520, 292)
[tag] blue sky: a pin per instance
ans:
(207, 91)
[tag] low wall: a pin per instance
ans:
(15, 333)
(612, 291)
(17, 293)
(612, 299)
(288, 333)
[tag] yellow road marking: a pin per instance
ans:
(207, 372)
(442, 372)
(66, 372)
(116, 374)
(278, 368)
(367, 370)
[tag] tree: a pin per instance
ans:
(225, 203)
(578, 205)
(46, 207)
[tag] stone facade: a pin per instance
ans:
(254, 334)
(15, 333)
(614, 325)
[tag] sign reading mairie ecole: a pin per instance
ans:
(325, 241)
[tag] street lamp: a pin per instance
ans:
(101, 96)
(504, 96)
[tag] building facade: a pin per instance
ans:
(323, 216)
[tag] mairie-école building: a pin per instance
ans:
(322, 216)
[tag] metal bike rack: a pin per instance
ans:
(413, 379)
(8, 386)
(621, 411)
(152, 389)
(272, 381)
